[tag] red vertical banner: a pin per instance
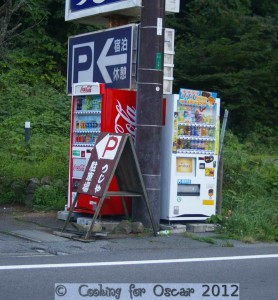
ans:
(120, 112)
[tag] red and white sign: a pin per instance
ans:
(125, 120)
(87, 88)
(121, 112)
(78, 167)
(102, 162)
(107, 148)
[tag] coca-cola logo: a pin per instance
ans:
(86, 89)
(127, 118)
(79, 168)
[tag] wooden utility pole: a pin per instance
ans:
(149, 106)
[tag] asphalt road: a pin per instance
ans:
(254, 269)
(29, 269)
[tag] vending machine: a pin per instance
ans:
(190, 142)
(96, 109)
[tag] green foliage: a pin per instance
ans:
(8, 196)
(208, 240)
(26, 96)
(39, 46)
(250, 193)
(215, 219)
(40, 163)
(230, 47)
(49, 198)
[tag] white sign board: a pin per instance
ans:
(98, 11)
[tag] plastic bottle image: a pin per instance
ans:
(79, 104)
(164, 232)
(211, 146)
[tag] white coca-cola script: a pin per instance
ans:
(86, 89)
(129, 118)
(79, 168)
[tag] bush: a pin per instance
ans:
(46, 153)
(49, 198)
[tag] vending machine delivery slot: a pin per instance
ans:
(188, 190)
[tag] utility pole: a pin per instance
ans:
(149, 106)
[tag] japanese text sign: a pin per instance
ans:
(102, 56)
(101, 165)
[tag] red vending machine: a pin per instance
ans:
(95, 109)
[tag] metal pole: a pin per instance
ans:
(220, 166)
(149, 106)
(27, 132)
(225, 119)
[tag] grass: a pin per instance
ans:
(213, 240)
(208, 240)
(227, 244)
(250, 194)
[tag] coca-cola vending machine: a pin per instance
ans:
(95, 109)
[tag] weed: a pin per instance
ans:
(208, 240)
(250, 201)
(187, 234)
(227, 244)
(248, 240)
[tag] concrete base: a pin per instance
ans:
(62, 215)
(201, 227)
(106, 226)
(177, 228)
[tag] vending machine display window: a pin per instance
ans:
(87, 118)
(196, 123)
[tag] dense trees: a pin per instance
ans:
(227, 46)
(231, 47)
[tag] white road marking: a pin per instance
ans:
(143, 262)
(30, 255)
